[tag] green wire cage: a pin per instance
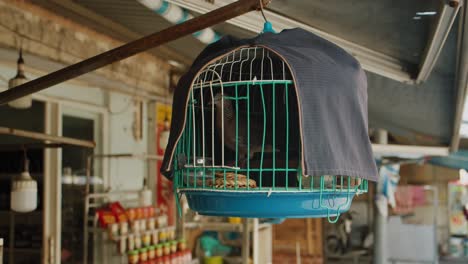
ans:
(240, 153)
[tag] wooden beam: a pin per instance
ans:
(40, 145)
(89, 18)
(46, 137)
(127, 50)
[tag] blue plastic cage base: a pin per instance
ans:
(254, 204)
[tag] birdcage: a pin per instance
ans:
(240, 150)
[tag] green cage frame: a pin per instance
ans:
(193, 172)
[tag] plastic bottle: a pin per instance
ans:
(133, 257)
(1, 250)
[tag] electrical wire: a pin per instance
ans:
(23, 36)
(25, 156)
(261, 10)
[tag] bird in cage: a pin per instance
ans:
(245, 150)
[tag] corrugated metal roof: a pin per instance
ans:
(387, 26)
(138, 18)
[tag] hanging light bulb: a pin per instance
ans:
(25, 101)
(24, 191)
(146, 195)
(164, 136)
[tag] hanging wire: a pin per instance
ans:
(267, 27)
(38, 41)
(25, 159)
(261, 10)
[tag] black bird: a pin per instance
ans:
(230, 140)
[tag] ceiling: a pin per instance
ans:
(420, 114)
(140, 19)
(387, 26)
(391, 27)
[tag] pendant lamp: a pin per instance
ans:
(25, 101)
(146, 195)
(24, 192)
(164, 136)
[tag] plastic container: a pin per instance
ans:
(188, 256)
(131, 242)
(143, 254)
(151, 212)
(277, 205)
(142, 224)
(1, 250)
(146, 197)
(159, 250)
(151, 252)
(162, 236)
(146, 239)
(173, 246)
(123, 228)
(135, 226)
(162, 221)
(139, 213)
(234, 220)
(151, 223)
(138, 241)
(113, 230)
(131, 214)
(174, 259)
(456, 247)
(133, 257)
(213, 260)
(181, 245)
(166, 249)
(154, 237)
(122, 245)
(171, 233)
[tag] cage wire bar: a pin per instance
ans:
(242, 135)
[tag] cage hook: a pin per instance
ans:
(267, 26)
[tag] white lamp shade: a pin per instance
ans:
(163, 139)
(146, 197)
(23, 102)
(24, 194)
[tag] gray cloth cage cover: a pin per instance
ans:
(332, 97)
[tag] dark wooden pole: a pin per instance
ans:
(127, 50)
(46, 137)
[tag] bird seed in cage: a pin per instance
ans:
(230, 182)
